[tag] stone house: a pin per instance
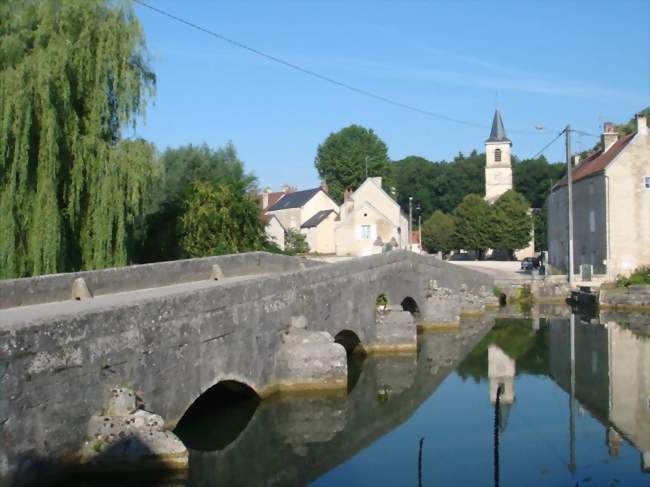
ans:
(310, 211)
(369, 220)
(319, 231)
(611, 204)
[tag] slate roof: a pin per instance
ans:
(596, 162)
(315, 220)
(498, 132)
(294, 200)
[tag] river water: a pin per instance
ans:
(573, 409)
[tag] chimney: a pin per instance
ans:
(347, 194)
(324, 187)
(609, 136)
(641, 124)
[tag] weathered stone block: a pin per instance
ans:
(80, 289)
(395, 331)
(441, 308)
(121, 402)
(310, 360)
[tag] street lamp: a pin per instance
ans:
(410, 222)
(419, 210)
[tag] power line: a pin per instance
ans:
(549, 144)
(314, 74)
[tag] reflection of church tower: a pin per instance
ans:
(501, 372)
(498, 170)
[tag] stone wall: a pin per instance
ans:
(58, 287)
(626, 297)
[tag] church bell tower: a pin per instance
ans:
(498, 168)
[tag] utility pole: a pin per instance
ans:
(410, 221)
(419, 210)
(567, 133)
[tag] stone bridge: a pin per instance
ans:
(170, 331)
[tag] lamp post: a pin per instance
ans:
(419, 210)
(410, 222)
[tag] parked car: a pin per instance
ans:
(529, 263)
(461, 256)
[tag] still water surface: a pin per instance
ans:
(429, 419)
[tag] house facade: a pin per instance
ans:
(370, 220)
(611, 207)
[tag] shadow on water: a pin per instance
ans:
(218, 416)
(108, 469)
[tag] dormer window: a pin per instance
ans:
(497, 155)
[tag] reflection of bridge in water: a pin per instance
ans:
(294, 440)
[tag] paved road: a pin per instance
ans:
(496, 268)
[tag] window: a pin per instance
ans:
(365, 232)
(497, 155)
(646, 182)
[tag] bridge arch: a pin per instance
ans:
(409, 304)
(218, 416)
(349, 340)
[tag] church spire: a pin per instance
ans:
(498, 133)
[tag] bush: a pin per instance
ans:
(295, 242)
(638, 277)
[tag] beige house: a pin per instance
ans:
(611, 204)
(319, 231)
(296, 207)
(311, 211)
(369, 220)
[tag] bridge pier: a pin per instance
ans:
(395, 331)
(308, 360)
(441, 309)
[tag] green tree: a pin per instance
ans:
(512, 224)
(182, 166)
(464, 176)
(73, 75)
(473, 218)
(533, 178)
(341, 160)
(220, 219)
(438, 233)
(295, 242)
(438, 185)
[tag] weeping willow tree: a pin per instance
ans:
(73, 75)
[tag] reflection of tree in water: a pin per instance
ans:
(516, 337)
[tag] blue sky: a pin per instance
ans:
(546, 62)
